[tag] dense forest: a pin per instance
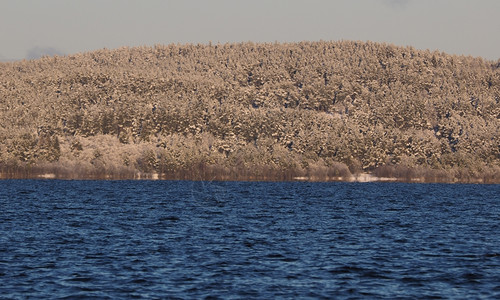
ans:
(248, 111)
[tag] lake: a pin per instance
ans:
(248, 240)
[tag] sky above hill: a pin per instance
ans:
(32, 28)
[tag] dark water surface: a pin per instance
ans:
(192, 240)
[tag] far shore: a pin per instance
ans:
(360, 178)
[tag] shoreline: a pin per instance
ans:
(358, 178)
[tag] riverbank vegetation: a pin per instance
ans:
(247, 111)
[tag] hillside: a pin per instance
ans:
(319, 110)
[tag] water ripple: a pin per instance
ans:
(185, 240)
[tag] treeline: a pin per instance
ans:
(316, 110)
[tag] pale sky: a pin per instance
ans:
(31, 28)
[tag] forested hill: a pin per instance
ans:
(319, 110)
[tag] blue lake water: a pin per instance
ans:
(248, 240)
